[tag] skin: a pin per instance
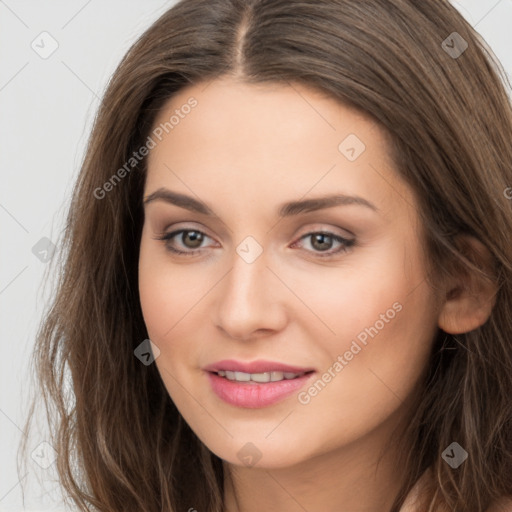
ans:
(244, 150)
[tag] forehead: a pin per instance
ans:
(270, 143)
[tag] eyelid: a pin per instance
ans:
(347, 242)
(167, 236)
(321, 228)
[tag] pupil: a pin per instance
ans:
(321, 237)
(195, 237)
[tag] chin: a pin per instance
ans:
(262, 454)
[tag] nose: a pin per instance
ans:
(250, 300)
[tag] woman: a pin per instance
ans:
(305, 207)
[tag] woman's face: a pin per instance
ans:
(262, 278)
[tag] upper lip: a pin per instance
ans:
(259, 366)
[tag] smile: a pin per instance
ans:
(245, 390)
(259, 377)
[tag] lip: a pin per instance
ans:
(253, 395)
(259, 366)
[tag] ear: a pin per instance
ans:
(468, 295)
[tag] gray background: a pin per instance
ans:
(47, 106)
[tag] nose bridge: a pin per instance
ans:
(247, 301)
(249, 272)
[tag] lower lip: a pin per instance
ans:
(252, 394)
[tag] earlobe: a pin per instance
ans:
(469, 296)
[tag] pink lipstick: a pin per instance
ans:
(256, 384)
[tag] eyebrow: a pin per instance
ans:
(288, 209)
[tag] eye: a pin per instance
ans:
(322, 241)
(190, 239)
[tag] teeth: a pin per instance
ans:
(258, 377)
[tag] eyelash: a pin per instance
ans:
(346, 243)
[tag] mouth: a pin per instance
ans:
(259, 367)
(260, 378)
(257, 384)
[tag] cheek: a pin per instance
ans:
(156, 297)
(166, 291)
(384, 317)
(374, 365)
(372, 286)
(167, 301)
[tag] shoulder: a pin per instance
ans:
(502, 505)
(413, 504)
(412, 501)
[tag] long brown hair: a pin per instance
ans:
(122, 445)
